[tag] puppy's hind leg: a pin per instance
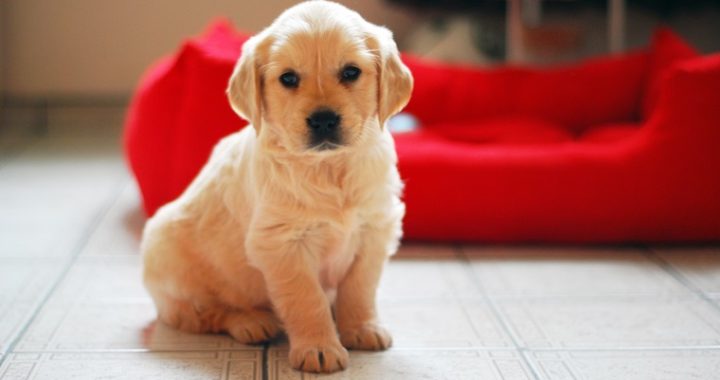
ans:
(246, 326)
(252, 326)
(185, 316)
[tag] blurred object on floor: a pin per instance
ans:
(546, 32)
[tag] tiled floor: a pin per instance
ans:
(72, 306)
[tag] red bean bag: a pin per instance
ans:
(622, 148)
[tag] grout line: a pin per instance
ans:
(265, 369)
(526, 351)
(626, 349)
(137, 350)
(494, 309)
(715, 347)
(394, 349)
(678, 276)
(90, 228)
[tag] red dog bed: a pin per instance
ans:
(623, 148)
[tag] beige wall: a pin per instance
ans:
(2, 50)
(101, 47)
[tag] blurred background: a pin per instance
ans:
(90, 52)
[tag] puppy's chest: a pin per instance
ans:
(346, 208)
(340, 250)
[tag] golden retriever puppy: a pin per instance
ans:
(289, 224)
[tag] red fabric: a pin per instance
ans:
(503, 155)
(517, 130)
(666, 49)
(179, 112)
(599, 90)
(611, 133)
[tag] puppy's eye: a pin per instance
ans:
(349, 74)
(290, 79)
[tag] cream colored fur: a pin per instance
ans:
(273, 235)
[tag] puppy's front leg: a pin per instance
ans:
(355, 310)
(291, 275)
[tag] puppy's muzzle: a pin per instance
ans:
(324, 128)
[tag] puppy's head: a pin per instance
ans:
(319, 78)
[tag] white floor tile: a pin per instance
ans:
(397, 364)
(102, 280)
(43, 205)
(553, 271)
(50, 193)
(23, 285)
(66, 162)
(441, 278)
(27, 239)
(628, 365)
(111, 326)
(434, 324)
(612, 322)
(235, 365)
(46, 179)
(701, 266)
(120, 231)
(101, 305)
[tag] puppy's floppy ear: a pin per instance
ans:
(245, 87)
(395, 82)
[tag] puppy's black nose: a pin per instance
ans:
(323, 122)
(324, 128)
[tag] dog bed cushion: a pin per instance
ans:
(556, 154)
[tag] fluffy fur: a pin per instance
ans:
(274, 235)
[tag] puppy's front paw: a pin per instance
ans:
(369, 336)
(319, 358)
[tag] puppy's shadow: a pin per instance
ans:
(205, 355)
(133, 220)
(157, 336)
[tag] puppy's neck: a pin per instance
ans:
(327, 177)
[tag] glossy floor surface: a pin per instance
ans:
(72, 305)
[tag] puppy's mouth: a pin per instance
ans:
(325, 146)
